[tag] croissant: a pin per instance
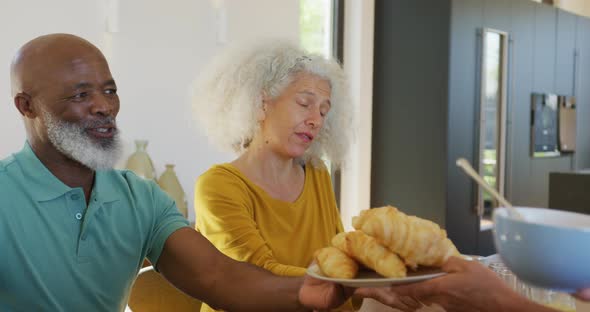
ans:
(370, 253)
(417, 241)
(335, 263)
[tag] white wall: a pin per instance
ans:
(159, 48)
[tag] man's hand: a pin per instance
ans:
(195, 266)
(321, 295)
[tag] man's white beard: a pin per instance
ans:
(73, 141)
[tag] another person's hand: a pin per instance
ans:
(469, 286)
(583, 294)
(321, 295)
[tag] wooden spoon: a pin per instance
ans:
(464, 164)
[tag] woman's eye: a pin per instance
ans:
(324, 110)
(302, 102)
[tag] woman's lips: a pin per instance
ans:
(306, 137)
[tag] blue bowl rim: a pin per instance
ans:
(496, 214)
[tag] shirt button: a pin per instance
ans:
(79, 216)
(75, 197)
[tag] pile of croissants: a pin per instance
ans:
(387, 241)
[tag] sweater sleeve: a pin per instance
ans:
(224, 215)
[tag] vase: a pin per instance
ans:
(168, 181)
(140, 162)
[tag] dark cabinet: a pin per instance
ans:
(569, 191)
(582, 93)
(544, 49)
(426, 103)
(565, 49)
(518, 185)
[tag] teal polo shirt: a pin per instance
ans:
(58, 254)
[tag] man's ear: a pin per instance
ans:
(24, 104)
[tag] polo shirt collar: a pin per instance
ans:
(43, 185)
(104, 187)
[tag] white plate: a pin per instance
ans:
(372, 279)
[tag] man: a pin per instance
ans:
(74, 232)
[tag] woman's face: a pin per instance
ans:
(292, 120)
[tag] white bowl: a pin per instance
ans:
(548, 248)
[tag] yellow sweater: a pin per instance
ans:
(247, 224)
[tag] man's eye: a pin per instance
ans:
(110, 91)
(80, 95)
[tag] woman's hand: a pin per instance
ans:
(583, 294)
(469, 286)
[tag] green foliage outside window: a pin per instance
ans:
(314, 22)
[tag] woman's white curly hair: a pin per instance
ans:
(228, 96)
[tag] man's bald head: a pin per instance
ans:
(43, 56)
(63, 88)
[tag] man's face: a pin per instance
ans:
(79, 103)
(74, 141)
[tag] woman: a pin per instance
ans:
(280, 109)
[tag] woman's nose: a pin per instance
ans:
(315, 118)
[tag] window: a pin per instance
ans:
(492, 129)
(316, 26)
